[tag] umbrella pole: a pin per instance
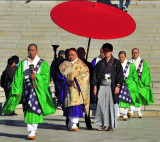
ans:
(89, 41)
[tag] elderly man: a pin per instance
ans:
(31, 84)
(73, 88)
(144, 82)
(107, 81)
(130, 90)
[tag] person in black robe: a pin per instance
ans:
(53, 72)
(81, 54)
(6, 80)
(107, 81)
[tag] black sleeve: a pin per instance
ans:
(119, 73)
(5, 80)
(95, 75)
(52, 70)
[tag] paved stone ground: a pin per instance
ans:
(13, 129)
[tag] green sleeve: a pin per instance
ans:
(146, 76)
(44, 97)
(144, 83)
(43, 77)
(133, 75)
(133, 86)
(17, 84)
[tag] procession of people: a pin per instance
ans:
(118, 87)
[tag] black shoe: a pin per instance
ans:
(67, 121)
(9, 114)
(125, 9)
(15, 114)
(28, 1)
(109, 129)
(88, 122)
(78, 124)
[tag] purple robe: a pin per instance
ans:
(94, 61)
(62, 90)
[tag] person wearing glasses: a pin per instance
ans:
(144, 81)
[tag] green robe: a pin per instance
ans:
(45, 100)
(133, 87)
(144, 84)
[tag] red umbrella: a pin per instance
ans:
(93, 20)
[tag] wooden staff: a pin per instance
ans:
(31, 68)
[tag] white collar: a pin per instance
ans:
(36, 59)
(124, 64)
(26, 64)
(74, 61)
(138, 59)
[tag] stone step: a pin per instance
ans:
(136, 15)
(154, 107)
(92, 112)
(143, 3)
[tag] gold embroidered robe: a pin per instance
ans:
(80, 71)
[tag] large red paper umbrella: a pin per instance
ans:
(93, 20)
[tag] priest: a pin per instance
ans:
(129, 94)
(73, 88)
(30, 86)
(144, 80)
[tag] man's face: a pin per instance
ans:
(107, 52)
(63, 55)
(72, 55)
(122, 58)
(101, 53)
(13, 64)
(135, 54)
(32, 52)
(81, 54)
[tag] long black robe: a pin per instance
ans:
(116, 75)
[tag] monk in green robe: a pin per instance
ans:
(131, 80)
(30, 86)
(144, 81)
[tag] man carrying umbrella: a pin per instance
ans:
(107, 81)
(73, 88)
(32, 88)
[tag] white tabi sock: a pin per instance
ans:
(132, 109)
(139, 113)
(125, 116)
(32, 127)
(74, 125)
(32, 133)
(74, 121)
